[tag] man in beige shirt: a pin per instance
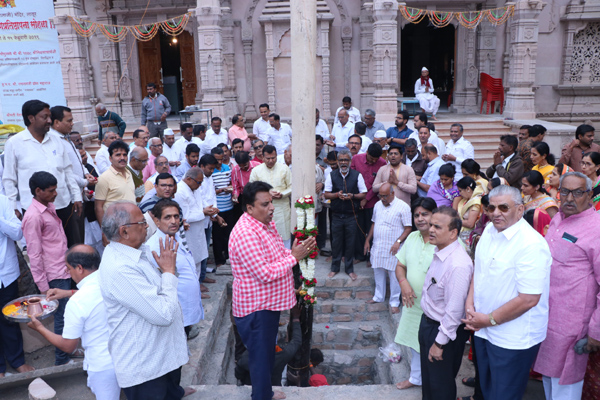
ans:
(116, 183)
(401, 177)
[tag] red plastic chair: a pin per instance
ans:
(491, 92)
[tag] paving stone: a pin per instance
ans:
(40, 390)
(372, 317)
(342, 294)
(326, 308)
(322, 318)
(345, 335)
(335, 283)
(340, 358)
(342, 318)
(322, 295)
(377, 307)
(363, 294)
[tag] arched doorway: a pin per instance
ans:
(422, 45)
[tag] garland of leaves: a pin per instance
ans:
(468, 19)
(144, 33)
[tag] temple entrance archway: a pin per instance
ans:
(422, 45)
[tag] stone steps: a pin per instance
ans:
(347, 336)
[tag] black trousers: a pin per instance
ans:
(364, 217)
(220, 237)
(322, 227)
(439, 376)
(165, 387)
(11, 340)
(73, 225)
(344, 241)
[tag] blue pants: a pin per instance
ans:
(258, 331)
(207, 232)
(164, 387)
(60, 356)
(503, 373)
(11, 340)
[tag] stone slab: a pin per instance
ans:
(40, 390)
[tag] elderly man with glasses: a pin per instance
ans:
(156, 149)
(574, 322)
(143, 299)
(509, 319)
(138, 159)
(392, 223)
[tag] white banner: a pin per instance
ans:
(29, 57)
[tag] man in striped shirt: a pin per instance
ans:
(222, 181)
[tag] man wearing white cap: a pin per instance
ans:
(187, 131)
(424, 93)
(381, 139)
(169, 149)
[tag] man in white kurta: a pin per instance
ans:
(193, 214)
(392, 223)
(188, 287)
(424, 93)
(280, 177)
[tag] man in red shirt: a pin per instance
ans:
(367, 164)
(263, 283)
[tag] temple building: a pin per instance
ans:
(236, 54)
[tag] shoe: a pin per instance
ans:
(470, 382)
(209, 280)
(325, 253)
(195, 331)
(211, 269)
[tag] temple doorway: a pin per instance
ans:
(169, 62)
(424, 45)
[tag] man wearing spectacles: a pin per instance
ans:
(161, 166)
(257, 147)
(138, 159)
(573, 239)
(156, 149)
(507, 306)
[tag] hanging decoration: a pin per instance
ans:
(305, 228)
(144, 33)
(468, 19)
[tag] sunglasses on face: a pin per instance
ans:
(502, 207)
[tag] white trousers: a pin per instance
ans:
(554, 391)
(380, 278)
(415, 368)
(104, 384)
(430, 105)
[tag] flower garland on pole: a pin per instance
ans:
(305, 228)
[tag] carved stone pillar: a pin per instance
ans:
(109, 69)
(366, 57)
(323, 32)
(346, 48)
(520, 101)
(229, 92)
(250, 109)
(129, 109)
(385, 48)
(210, 55)
(74, 64)
(467, 74)
(487, 49)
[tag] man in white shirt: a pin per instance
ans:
(425, 135)
(353, 113)
(141, 137)
(127, 276)
(510, 319)
(419, 121)
(341, 131)
(279, 135)
(208, 193)
(187, 131)
(32, 150)
(85, 318)
(360, 129)
(458, 149)
(262, 125)
(321, 126)
(169, 149)
(11, 339)
(431, 174)
(102, 158)
(214, 136)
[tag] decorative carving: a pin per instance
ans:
(347, 31)
(68, 48)
(585, 62)
(209, 40)
(528, 33)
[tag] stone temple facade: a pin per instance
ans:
(236, 54)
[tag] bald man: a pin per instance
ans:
(109, 121)
(138, 159)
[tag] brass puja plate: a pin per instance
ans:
(16, 310)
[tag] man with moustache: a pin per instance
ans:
(400, 132)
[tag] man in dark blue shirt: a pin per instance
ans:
(399, 133)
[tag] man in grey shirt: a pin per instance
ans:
(142, 308)
(155, 110)
(372, 125)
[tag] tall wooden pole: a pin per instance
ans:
(304, 55)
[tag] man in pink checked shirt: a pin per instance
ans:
(240, 176)
(442, 336)
(263, 283)
(47, 246)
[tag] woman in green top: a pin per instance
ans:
(414, 259)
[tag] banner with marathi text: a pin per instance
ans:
(29, 57)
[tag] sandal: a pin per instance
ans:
(470, 382)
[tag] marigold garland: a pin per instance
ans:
(468, 19)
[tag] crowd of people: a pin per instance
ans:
(507, 257)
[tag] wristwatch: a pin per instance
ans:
(439, 346)
(398, 241)
(492, 320)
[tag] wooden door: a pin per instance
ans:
(188, 68)
(150, 64)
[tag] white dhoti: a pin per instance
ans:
(196, 241)
(429, 102)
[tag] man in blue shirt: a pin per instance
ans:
(399, 133)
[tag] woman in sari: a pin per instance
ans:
(542, 160)
(534, 194)
(538, 219)
(590, 166)
(444, 190)
(413, 263)
(554, 180)
(468, 205)
(472, 168)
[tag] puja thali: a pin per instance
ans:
(36, 304)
